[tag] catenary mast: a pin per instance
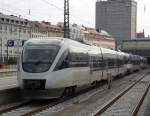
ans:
(66, 19)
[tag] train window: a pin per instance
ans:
(119, 62)
(78, 60)
(69, 60)
(97, 63)
(63, 61)
(37, 60)
(127, 61)
(111, 63)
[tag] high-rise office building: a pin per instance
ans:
(117, 17)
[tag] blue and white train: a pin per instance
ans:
(52, 67)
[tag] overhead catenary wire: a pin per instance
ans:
(28, 14)
(10, 11)
(25, 13)
(62, 10)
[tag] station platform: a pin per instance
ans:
(7, 70)
(8, 82)
(9, 90)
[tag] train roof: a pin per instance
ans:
(69, 42)
(46, 40)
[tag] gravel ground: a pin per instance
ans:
(8, 82)
(86, 104)
(126, 104)
(145, 108)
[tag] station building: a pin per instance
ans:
(100, 39)
(137, 46)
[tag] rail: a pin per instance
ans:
(111, 102)
(33, 110)
(137, 108)
(14, 106)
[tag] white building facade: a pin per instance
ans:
(76, 32)
(15, 31)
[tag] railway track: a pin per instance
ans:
(29, 108)
(137, 108)
(80, 99)
(12, 106)
(115, 107)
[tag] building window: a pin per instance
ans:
(5, 51)
(7, 20)
(17, 22)
(1, 28)
(19, 30)
(2, 19)
(10, 51)
(12, 21)
(5, 28)
(15, 29)
(24, 30)
(10, 29)
(22, 22)
(1, 43)
(28, 31)
(26, 23)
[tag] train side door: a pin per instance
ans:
(105, 68)
(118, 64)
(91, 64)
(102, 64)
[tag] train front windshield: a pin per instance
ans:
(38, 59)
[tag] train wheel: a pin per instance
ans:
(98, 83)
(69, 91)
(73, 90)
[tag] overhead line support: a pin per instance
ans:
(66, 19)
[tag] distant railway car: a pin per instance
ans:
(129, 64)
(136, 62)
(143, 62)
(126, 64)
(52, 67)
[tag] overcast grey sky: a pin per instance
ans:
(82, 11)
